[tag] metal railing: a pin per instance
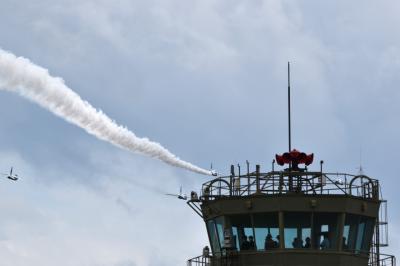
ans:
(199, 261)
(285, 182)
(384, 260)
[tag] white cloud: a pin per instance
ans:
(120, 223)
(208, 80)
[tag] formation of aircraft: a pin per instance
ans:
(11, 176)
(179, 196)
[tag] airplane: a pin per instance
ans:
(179, 196)
(11, 176)
(213, 172)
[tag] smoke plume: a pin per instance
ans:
(18, 74)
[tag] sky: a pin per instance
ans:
(206, 79)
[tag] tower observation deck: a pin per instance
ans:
(292, 217)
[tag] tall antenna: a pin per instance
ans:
(360, 169)
(289, 119)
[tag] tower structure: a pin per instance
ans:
(292, 217)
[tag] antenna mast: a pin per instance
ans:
(289, 118)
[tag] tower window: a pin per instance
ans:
(325, 231)
(266, 229)
(357, 233)
(297, 230)
(212, 232)
(242, 231)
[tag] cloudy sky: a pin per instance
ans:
(205, 78)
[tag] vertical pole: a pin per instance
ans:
(377, 239)
(290, 130)
(322, 176)
(289, 115)
(281, 230)
(273, 177)
(231, 179)
(273, 165)
(257, 178)
(248, 177)
(237, 185)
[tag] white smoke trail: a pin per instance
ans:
(18, 74)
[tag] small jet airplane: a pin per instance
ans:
(179, 196)
(11, 176)
(213, 172)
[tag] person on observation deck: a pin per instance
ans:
(269, 243)
(252, 244)
(308, 243)
(245, 243)
(325, 244)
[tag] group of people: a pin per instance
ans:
(270, 243)
(248, 244)
(298, 243)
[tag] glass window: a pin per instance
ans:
(360, 235)
(350, 232)
(242, 231)
(212, 231)
(266, 228)
(368, 233)
(297, 230)
(219, 223)
(345, 238)
(325, 230)
(235, 234)
(358, 232)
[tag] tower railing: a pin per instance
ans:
(289, 182)
(384, 260)
(199, 261)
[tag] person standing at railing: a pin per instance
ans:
(269, 243)
(308, 243)
(325, 244)
(245, 243)
(252, 244)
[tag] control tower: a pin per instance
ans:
(292, 217)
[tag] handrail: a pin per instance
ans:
(384, 260)
(289, 182)
(199, 261)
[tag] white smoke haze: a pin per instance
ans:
(18, 74)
